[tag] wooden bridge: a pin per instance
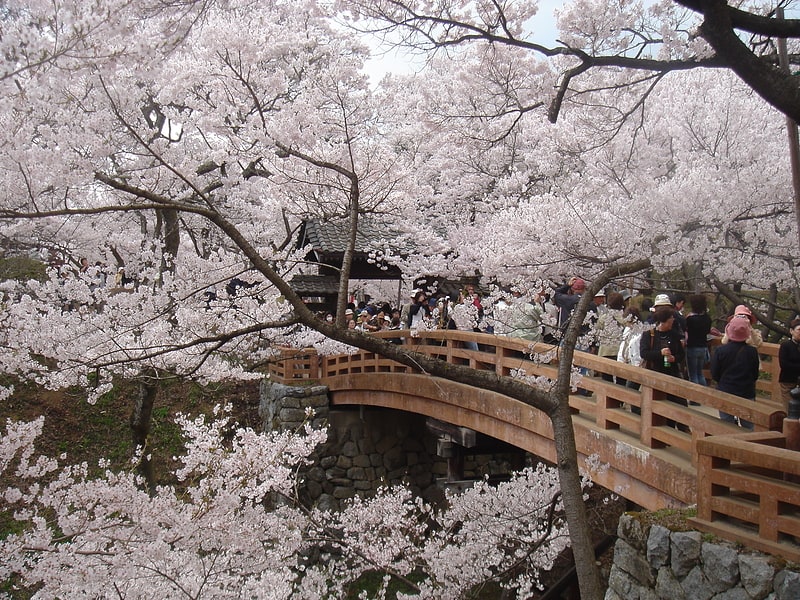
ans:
(654, 452)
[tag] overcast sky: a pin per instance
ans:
(401, 62)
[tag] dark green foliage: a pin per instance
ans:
(22, 268)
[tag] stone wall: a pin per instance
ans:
(653, 563)
(366, 448)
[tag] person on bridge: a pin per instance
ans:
(465, 317)
(609, 329)
(662, 350)
(698, 326)
(742, 312)
(523, 317)
(418, 311)
(735, 366)
(566, 298)
(789, 360)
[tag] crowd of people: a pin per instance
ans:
(620, 325)
(670, 334)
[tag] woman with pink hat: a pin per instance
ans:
(735, 365)
(742, 312)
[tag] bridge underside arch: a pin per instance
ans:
(648, 477)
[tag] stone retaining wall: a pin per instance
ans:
(366, 448)
(653, 563)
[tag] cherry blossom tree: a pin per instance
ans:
(183, 142)
(632, 84)
(650, 39)
(230, 125)
(234, 526)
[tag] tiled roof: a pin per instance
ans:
(315, 285)
(331, 237)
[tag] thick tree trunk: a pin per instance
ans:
(580, 532)
(140, 427)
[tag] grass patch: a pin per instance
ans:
(674, 519)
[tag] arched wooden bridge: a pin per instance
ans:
(654, 452)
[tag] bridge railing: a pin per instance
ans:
(652, 413)
(649, 413)
(728, 462)
(748, 491)
(292, 365)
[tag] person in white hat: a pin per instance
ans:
(661, 300)
(679, 324)
(600, 301)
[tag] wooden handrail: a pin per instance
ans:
(748, 491)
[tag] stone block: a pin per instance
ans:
(633, 531)
(291, 415)
(343, 492)
(721, 566)
(344, 462)
(756, 575)
(350, 449)
(658, 546)
(622, 583)
(787, 585)
(315, 474)
(317, 401)
(696, 585)
(667, 585)
(327, 502)
(356, 473)
(684, 551)
(361, 461)
(632, 561)
(290, 402)
(327, 462)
